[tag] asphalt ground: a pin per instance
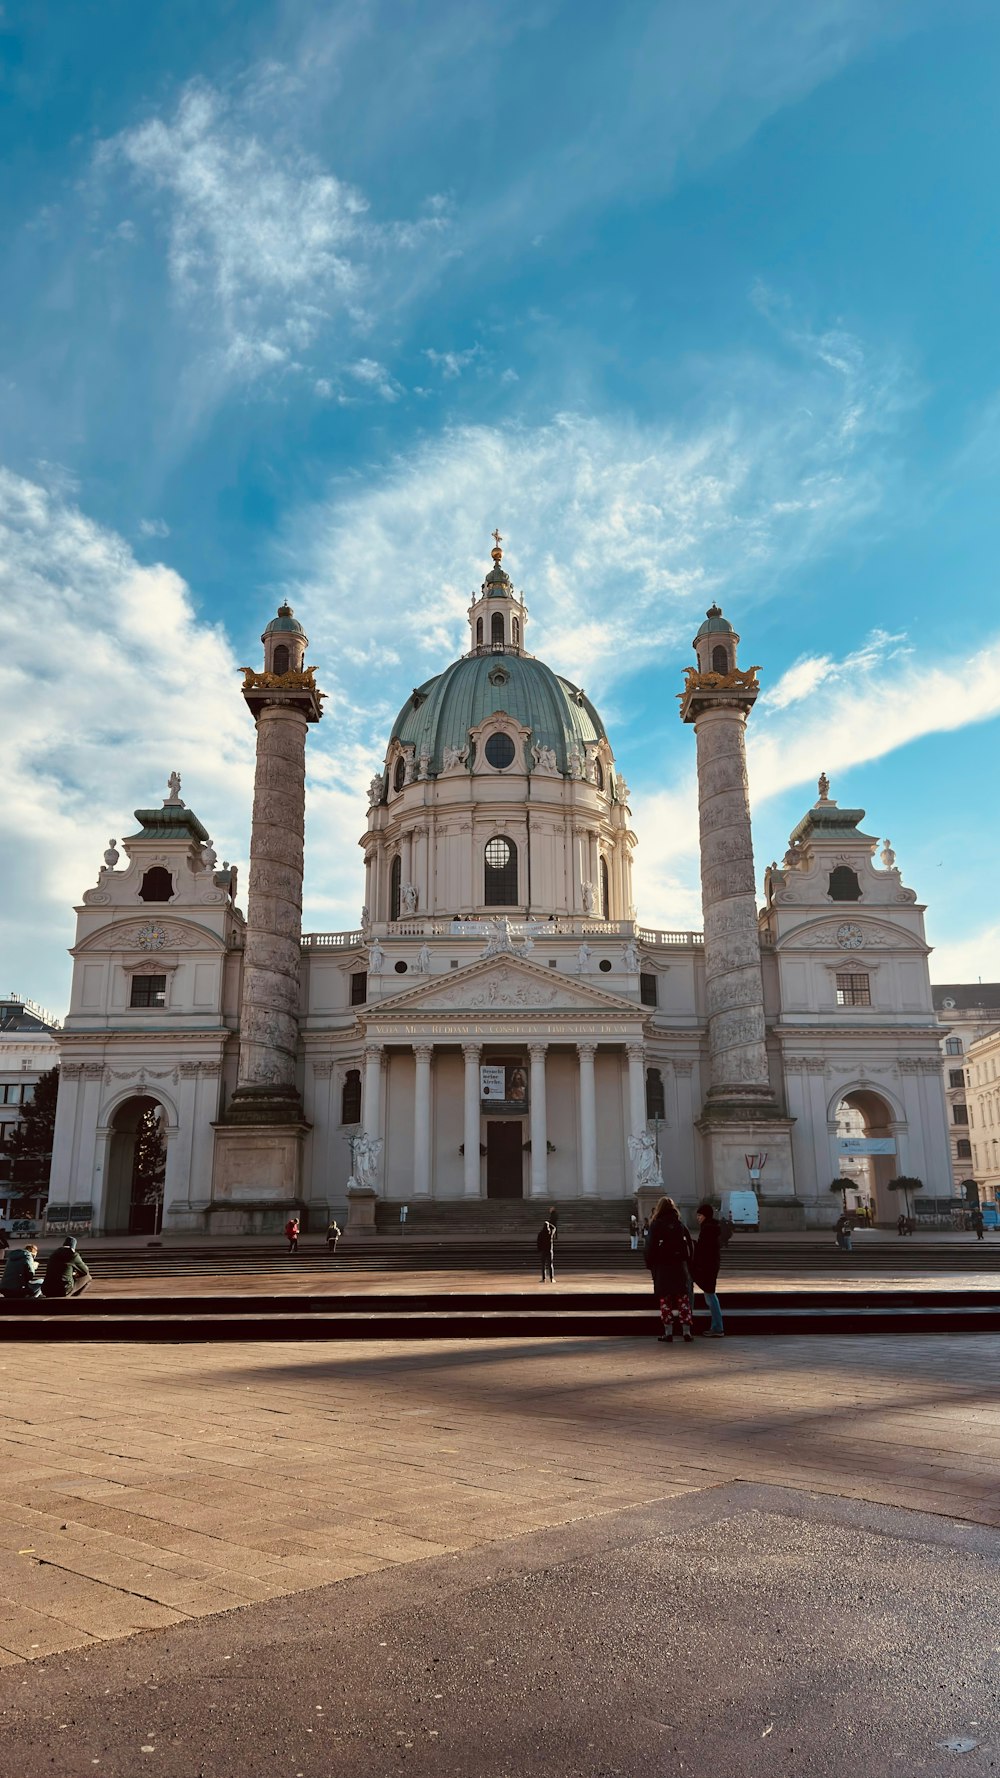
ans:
(731, 1632)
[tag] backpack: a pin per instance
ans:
(543, 1240)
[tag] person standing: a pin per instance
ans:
(844, 1229)
(292, 1234)
(20, 1273)
(668, 1256)
(633, 1232)
(333, 1234)
(705, 1264)
(977, 1222)
(546, 1244)
(66, 1271)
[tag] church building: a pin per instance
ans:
(500, 1024)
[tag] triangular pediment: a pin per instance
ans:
(507, 984)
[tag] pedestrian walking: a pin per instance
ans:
(546, 1244)
(20, 1273)
(4, 1241)
(645, 1233)
(977, 1222)
(292, 1234)
(705, 1263)
(844, 1229)
(633, 1232)
(333, 1234)
(66, 1271)
(901, 1224)
(668, 1256)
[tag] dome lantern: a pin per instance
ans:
(498, 615)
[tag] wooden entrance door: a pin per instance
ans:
(504, 1160)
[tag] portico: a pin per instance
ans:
(424, 1055)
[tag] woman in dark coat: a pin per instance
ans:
(668, 1256)
(705, 1265)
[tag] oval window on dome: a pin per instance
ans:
(399, 775)
(500, 751)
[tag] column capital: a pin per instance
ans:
(374, 1052)
(472, 1051)
(537, 1051)
(636, 1052)
(423, 1051)
(586, 1048)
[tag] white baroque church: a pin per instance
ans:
(500, 1024)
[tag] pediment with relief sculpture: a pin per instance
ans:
(507, 985)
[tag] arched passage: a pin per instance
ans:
(878, 1122)
(137, 1153)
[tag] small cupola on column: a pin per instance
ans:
(285, 643)
(498, 616)
(715, 643)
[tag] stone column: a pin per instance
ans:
(269, 1022)
(422, 1121)
(636, 1087)
(733, 986)
(538, 1123)
(740, 1113)
(588, 1119)
(472, 1052)
(371, 1097)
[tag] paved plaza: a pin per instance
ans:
(145, 1486)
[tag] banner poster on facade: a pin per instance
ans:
(503, 1086)
(866, 1145)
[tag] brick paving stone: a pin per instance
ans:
(195, 1478)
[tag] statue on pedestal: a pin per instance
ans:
(645, 1162)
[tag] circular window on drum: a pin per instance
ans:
(500, 751)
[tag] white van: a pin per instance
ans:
(743, 1208)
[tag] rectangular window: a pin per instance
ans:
(956, 1077)
(647, 989)
(953, 1046)
(149, 990)
(359, 987)
(854, 990)
(11, 1094)
(27, 1093)
(960, 1114)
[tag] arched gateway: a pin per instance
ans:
(136, 1171)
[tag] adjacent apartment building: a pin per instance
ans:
(982, 1069)
(971, 1012)
(28, 1048)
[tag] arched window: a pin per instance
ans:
(598, 774)
(655, 1104)
(720, 660)
(399, 775)
(479, 632)
(280, 658)
(350, 1097)
(515, 632)
(500, 873)
(605, 891)
(395, 879)
(964, 1149)
(496, 629)
(157, 884)
(844, 885)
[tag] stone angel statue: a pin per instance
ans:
(544, 758)
(367, 1153)
(645, 1164)
(423, 961)
(453, 757)
(376, 958)
(408, 899)
(630, 957)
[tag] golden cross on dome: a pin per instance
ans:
(497, 538)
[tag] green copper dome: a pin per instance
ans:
(715, 624)
(286, 623)
(440, 713)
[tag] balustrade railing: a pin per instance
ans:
(568, 926)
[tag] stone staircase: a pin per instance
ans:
(494, 1219)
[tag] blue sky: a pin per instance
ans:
(693, 300)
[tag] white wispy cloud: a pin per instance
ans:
(620, 532)
(375, 377)
(452, 364)
(130, 685)
(154, 528)
(265, 245)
